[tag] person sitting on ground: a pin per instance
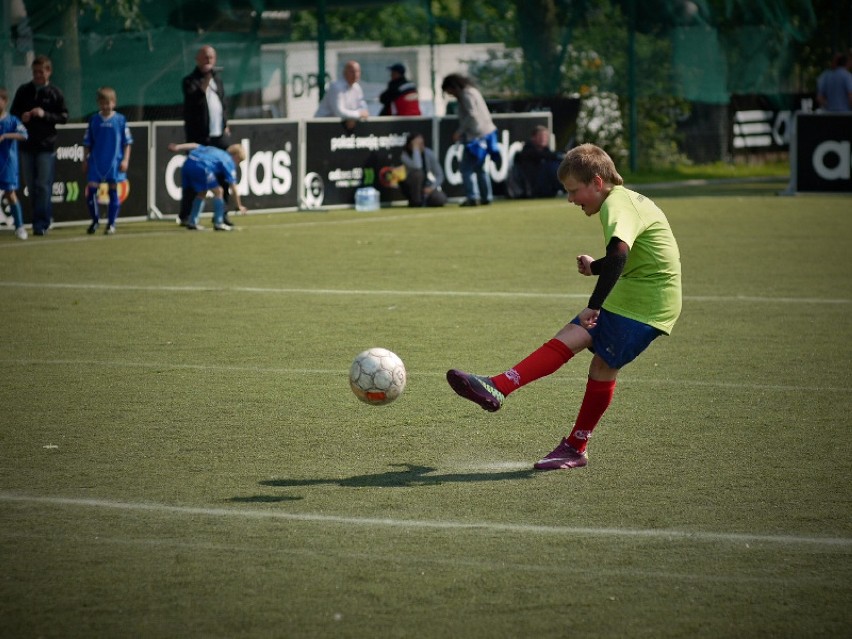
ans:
(423, 174)
(534, 169)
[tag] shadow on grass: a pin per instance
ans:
(410, 475)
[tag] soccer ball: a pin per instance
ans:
(377, 376)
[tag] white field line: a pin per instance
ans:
(343, 371)
(52, 240)
(841, 543)
(397, 293)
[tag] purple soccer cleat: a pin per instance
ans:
(476, 388)
(562, 457)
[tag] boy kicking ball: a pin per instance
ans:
(636, 299)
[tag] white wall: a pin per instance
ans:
(291, 72)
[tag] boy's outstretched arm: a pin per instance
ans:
(184, 146)
(235, 193)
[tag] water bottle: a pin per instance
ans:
(366, 199)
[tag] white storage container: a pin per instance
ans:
(367, 199)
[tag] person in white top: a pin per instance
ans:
(344, 98)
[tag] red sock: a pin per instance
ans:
(595, 402)
(546, 360)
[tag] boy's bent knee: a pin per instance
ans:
(600, 371)
(574, 337)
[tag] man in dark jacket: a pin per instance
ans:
(400, 96)
(204, 110)
(40, 106)
(204, 113)
(534, 170)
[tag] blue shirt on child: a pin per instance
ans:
(106, 138)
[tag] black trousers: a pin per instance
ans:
(412, 188)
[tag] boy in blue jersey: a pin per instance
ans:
(636, 299)
(11, 131)
(206, 168)
(107, 156)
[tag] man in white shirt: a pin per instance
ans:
(344, 98)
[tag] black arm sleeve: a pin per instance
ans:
(608, 269)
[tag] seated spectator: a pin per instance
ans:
(534, 170)
(423, 174)
(400, 97)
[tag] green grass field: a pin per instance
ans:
(180, 455)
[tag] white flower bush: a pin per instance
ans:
(600, 123)
(585, 75)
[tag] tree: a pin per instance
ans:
(60, 39)
(542, 33)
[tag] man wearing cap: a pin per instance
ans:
(400, 98)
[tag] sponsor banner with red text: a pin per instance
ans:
(338, 161)
(289, 164)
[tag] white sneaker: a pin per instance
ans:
(221, 226)
(21, 232)
(110, 230)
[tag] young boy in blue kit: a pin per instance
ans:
(636, 299)
(12, 130)
(205, 169)
(107, 157)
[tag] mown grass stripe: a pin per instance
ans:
(164, 366)
(718, 299)
(387, 522)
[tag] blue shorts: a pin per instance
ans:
(111, 176)
(198, 177)
(618, 339)
(9, 175)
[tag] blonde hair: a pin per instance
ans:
(586, 161)
(107, 93)
(237, 150)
